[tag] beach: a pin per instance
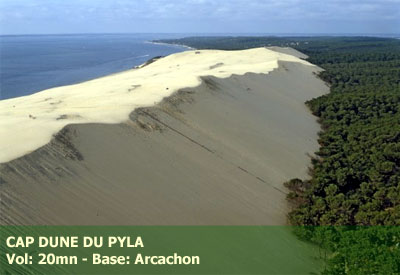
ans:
(195, 138)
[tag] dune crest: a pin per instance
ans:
(215, 154)
(29, 122)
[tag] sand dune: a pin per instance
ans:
(214, 154)
(110, 99)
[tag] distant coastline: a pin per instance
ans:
(51, 61)
(169, 44)
(167, 140)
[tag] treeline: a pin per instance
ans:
(331, 47)
(356, 174)
(230, 43)
(350, 206)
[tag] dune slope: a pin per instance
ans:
(215, 154)
(110, 99)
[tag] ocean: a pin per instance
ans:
(32, 63)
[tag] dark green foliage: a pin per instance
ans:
(356, 174)
(368, 250)
(358, 164)
(232, 43)
(356, 249)
(355, 178)
(331, 47)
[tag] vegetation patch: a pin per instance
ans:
(350, 206)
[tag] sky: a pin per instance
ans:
(199, 16)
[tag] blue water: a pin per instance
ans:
(29, 64)
(33, 63)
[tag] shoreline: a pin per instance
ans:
(169, 44)
(80, 64)
(215, 154)
(95, 101)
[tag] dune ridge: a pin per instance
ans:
(110, 99)
(213, 154)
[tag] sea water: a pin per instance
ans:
(32, 63)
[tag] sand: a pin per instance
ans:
(213, 154)
(288, 50)
(110, 99)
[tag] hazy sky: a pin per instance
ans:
(199, 16)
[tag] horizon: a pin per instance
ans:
(310, 34)
(48, 17)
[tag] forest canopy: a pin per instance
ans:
(350, 205)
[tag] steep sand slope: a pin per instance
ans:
(288, 50)
(214, 154)
(110, 99)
